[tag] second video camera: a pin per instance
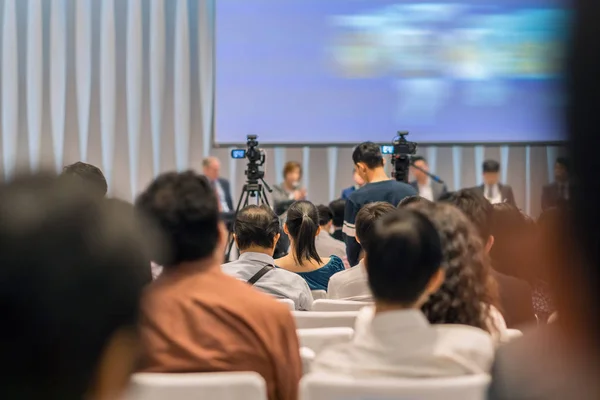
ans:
(255, 156)
(401, 151)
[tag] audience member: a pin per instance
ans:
(557, 192)
(88, 175)
(211, 168)
(290, 190)
(352, 284)
(358, 183)
(256, 232)
(325, 243)
(412, 200)
(302, 227)
(425, 186)
(468, 295)
(337, 208)
(515, 294)
(492, 189)
(369, 163)
(195, 318)
(73, 271)
(398, 341)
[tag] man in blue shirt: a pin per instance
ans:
(369, 163)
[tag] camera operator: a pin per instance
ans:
(290, 189)
(369, 164)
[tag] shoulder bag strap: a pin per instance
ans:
(260, 274)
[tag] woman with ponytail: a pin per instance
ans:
(302, 228)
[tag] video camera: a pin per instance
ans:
(401, 151)
(256, 159)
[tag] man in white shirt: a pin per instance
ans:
(353, 283)
(325, 243)
(256, 233)
(427, 188)
(494, 191)
(403, 263)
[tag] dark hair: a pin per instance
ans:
(469, 289)
(368, 153)
(411, 200)
(256, 225)
(477, 209)
(414, 159)
(366, 218)
(88, 174)
(303, 223)
(291, 166)
(491, 166)
(73, 270)
(338, 208)
(564, 162)
(408, 236)
(325, 214)
(184, 206)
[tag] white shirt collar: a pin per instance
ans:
(252, 256)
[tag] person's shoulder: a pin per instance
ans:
(336, 263)
(510, 282)
(403, 185)
(223, 181)
(464, 336)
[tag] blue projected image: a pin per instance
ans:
(345, 71)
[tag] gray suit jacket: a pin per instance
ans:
(438, 189)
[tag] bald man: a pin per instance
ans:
(211, 167)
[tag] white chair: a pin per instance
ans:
(326, 387)
(198, 386)
(318, 338)
(289, 303)
(318, 294)
(307, 356)
(316, 319)
(338, 305)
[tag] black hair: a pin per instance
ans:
(414, 159)
(564, 161)
(184, 206)
(411, 200)
(73, 270)
(368, 153)
(477, 209)
(91, 176)
(410, 237)
(491, 166)
(366, 218)
(338, 208)
(325, 214)
(303, 223)
(256, 225)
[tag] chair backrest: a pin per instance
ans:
(198, 386)
(338, 305)
(318, 294)
(325, 387)
(318, 338)
(316, 319)
(289, 303)
(307, 356)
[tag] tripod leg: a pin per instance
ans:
(243, 200)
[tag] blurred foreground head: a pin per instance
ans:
(72, 271)
(88, 176)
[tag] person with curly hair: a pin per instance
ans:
(468, 295)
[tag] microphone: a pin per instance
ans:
(429, 174)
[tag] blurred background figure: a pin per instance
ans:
(88, 175)
(358, 183)
(557, 192)
(427, 187)
(73, 270)
(325, 243)
(337, 208)
(211, 168)
(290, 189)
(492, 189)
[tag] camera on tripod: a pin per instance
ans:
(401, 151)
(256, 159)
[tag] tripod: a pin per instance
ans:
(252, 189)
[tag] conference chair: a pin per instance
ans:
(197, 386)
(318, 294)
(318, 338)
(307, 356)
(327, 387)
(289, 303)
(316, 319)
(338, 305)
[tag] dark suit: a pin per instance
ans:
(438, 189)
(506, 192)
(338, 234)
(552, 196)
(227, 192)
(515, 300)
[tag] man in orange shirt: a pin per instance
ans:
(195, 318)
